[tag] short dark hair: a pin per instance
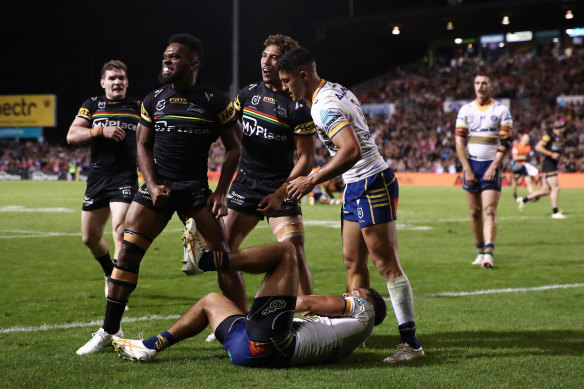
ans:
(295, 59)
(192, 42)
(483, 73)
(113, 64)
(284, 42)
(378, 306)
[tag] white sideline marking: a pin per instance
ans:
(495, 291)
(20, 208)
(48, 327)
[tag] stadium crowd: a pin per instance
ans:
(419, 135)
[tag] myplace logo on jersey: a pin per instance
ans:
(162, 125)
(107, 122)
(252, 128)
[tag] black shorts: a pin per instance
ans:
(246, 193)
(549, 166)
(184, 195)
(102, 190)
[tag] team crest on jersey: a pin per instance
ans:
(256, 99)
(281, 112)
(494, 118)
(470, 119)
(160, 105)
(101, 105)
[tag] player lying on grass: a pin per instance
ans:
(269, 335)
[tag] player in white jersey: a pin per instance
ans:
(483, 136)
(269, 336)
(371, 194)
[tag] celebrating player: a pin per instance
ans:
(178, 124)
(274, 128)
(109, 122)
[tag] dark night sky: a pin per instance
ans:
(58, 47)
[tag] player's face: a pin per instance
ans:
(294, 84)
(483, 87)
(178, 63)
(115, 84)
(268, 61)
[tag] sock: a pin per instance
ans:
(160, 341)
(555, 210)
(407, 333)
(525, 199)
(480, 247)
(114, 310)
(402, 299)
(106, 264)
(489, 248)
(214, 260)
(514, 196)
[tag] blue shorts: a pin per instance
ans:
(243, 351)
(479, 168)
(372, 200)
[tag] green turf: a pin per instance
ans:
(519, 339)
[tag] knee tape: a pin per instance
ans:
(137, 241)
(124, 277)
(288, 228)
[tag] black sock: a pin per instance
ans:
(114, 310)
(214, 260)
(407, 333)
(555, 210)
(106, 264)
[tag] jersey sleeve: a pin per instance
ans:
(301, 120)
(505, 129)
(461, 123)
(330, 118)
(146, 111)
(225, 109)
(86, 110)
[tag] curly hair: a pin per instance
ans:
(113, 64)
(284, 42)
(191, 42)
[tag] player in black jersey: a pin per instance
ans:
(178, 124)
(551, 146)
(109, 122)
(274, 128)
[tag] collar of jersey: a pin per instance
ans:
(320, 85)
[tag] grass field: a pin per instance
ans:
(518, 325)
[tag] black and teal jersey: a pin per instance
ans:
(270, 121)
(185, 124)
(108, 156)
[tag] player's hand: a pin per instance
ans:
(300, 187)
(114, 133)
(217, 204)
(160, 195)
(270, 204)
(490, 174)
(470, 178)
(555, 156)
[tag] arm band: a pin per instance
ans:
(97, 131)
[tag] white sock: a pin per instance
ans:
(402, 299)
